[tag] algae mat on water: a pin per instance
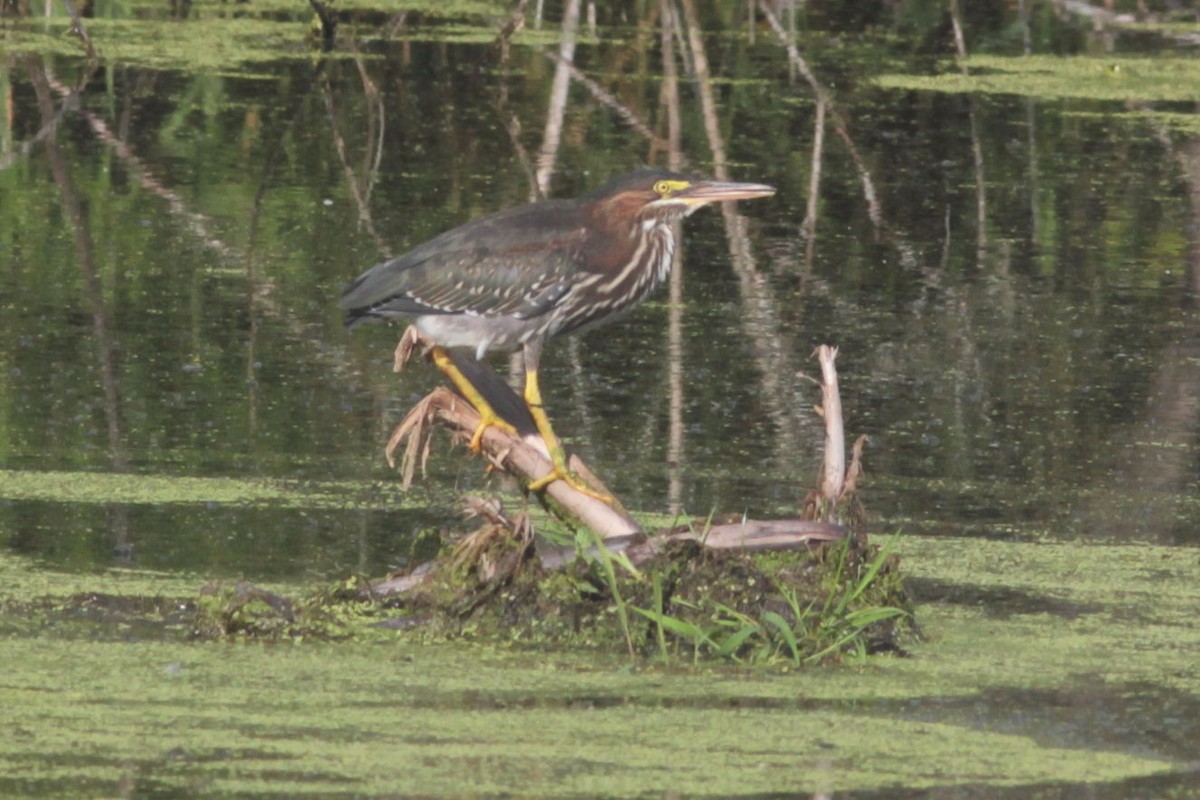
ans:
(990, 698)
(1141, 83)
(1112, 78)
(112, 487)
(238, 40)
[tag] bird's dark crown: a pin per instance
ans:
(640, 180)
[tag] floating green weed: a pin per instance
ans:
(1113, 78)
(111, 487)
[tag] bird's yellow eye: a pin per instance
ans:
(663, 188)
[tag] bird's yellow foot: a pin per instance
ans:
(572, 480)
(488, 419)
(487, 415)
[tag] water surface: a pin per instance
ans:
(1013, 298)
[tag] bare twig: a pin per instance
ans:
(960, 47)
(606, 98)
(854, 472)
(512, 123)
(675, 348)
(93, 294)
(960, 43)
(502, 44)
(70, 96)
(328, 23)
(808, 228)
(197, 223)
(761, 314)
(874, 209)
(361, 186)
(477, 552)
(69, 103)
(552, 133)
(77, 29)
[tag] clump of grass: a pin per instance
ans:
(687, 604)
(849, 603)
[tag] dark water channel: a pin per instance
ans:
(1016, 318)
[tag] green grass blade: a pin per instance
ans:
(731, 644)
(785, 632)
(685, 630)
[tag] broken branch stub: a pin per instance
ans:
(833, 471)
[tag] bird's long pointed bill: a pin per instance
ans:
(717, 192)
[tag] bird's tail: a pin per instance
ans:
(357, 316)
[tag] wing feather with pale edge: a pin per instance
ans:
(519, 262)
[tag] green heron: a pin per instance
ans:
(517, 277)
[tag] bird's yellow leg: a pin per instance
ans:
(487, 415)
(533, 399)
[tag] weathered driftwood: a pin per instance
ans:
(749, 536)
(745, 536)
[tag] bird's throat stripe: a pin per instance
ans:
(646, 268)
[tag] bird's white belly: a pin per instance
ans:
(479, 333)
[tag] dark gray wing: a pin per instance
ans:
(518, 262)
